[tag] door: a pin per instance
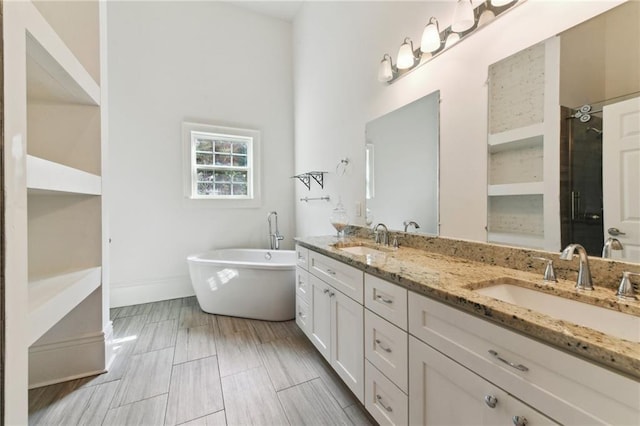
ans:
(319, 324)
(621, 176)
(347, 341)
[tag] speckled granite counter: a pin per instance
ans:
(451, 279)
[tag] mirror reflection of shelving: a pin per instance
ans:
(516, 187)
(63, 180)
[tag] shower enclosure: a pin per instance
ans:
(581, 205)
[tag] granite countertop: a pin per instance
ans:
(452, 280)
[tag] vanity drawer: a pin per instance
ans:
(562, 386)
(342, 277)
(386, 346)
(302, 314)
(302, 257)
(302, 283)
(386, 299)
(386, 403)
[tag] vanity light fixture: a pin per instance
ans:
(500, 3)
(431, 41)
(463, 16)
(387, 70)
(406, 58)
(452, 39)
(434, 41)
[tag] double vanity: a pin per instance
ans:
(441, 331)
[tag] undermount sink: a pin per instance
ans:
(614, 323)
(363, 251)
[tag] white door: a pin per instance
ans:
(621, 176)
(319, 325)
(347, 341)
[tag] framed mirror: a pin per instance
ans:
(402, 167)
(564, 140)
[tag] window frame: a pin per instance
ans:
(190, 133)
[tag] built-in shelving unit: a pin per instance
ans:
(50, 299)
(55, 118)
(45, 176)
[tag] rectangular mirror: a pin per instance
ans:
(401, 167)
(564, 140)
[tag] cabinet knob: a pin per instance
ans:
(491, 401)
(331, 271)
(519, 420)
(325, 291)
(331, 294)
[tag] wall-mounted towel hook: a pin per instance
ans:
(341, 168)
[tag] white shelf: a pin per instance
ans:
(527, 188)
(50, 299)
(517, 138)
(53, 72)
(515, 239)
(44, 175)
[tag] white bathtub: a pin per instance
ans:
(246, 283)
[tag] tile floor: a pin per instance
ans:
(179, 366)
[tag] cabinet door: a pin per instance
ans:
(443, 392)
(347, 341)
(319, 324)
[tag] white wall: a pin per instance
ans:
(337, 48)
(206, 62)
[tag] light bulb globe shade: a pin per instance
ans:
(385, 71)
(486, 17)
(452, 39)
(430, 38)
(463, 17)
(406, 59)
(499, 3)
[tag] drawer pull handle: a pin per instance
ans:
(520, 420)
(331, 294)
(383, 348)
(331, 271)
(301, 315)
(491, 401)
(386, 407)
(300, 256)
(325, 291)
(382, 299)
(509, 363)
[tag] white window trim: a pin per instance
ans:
(254, 175)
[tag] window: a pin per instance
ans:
(222, 162)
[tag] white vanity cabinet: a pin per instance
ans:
(303, 312)
(336, 321)
(563, 387)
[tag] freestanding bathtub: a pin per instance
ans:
(248, 283)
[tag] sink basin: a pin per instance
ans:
(363, 251)
(614, 323)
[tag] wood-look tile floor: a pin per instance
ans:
(177, 365)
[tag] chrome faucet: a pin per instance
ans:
(381, 237)
(611, 244)
(274, 237)
(626, 290)
(407, 224)
(584, 273)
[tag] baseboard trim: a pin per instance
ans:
(69, 359)
(137, 292)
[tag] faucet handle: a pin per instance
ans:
(549, 273)
(626, 291)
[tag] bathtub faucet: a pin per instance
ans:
(274, 237)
